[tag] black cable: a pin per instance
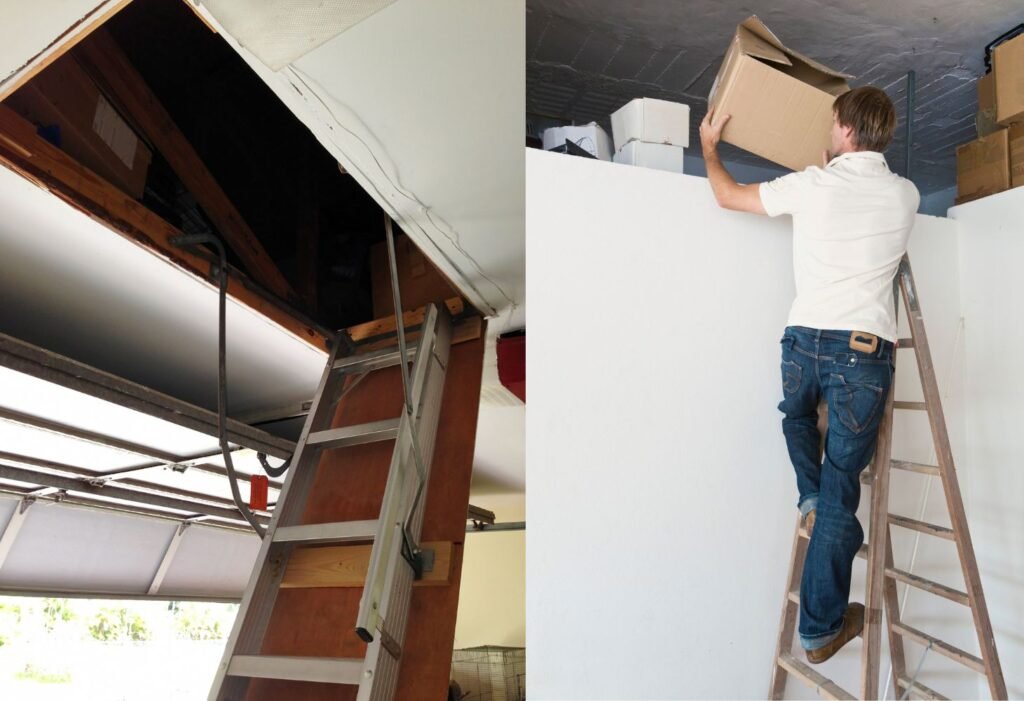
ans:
(270, 469)
(222, 373)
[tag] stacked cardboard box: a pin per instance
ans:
(651, 134)
(995, 161)
(69, 108)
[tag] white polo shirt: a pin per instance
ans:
(851, 223)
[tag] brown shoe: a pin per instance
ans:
(853, 623)
(809, 522)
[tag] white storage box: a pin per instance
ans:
(590, 137)
(653, 121)
(657, 156)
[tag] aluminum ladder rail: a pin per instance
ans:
(384, 607)
(882, 575)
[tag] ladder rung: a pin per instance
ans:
(922, 691)
(826, 687)
(868, 476)
(372, 360)
(928, 585)
(330, 670)
(916, 406)
(943, 648)
(929, 528)
(355, 435)
(315, 533)
(915, 467)
(905, 343)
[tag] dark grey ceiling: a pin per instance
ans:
(586, 58)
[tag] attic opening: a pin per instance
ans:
(153, 113)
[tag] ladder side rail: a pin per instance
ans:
(369, 617)
(892, 615)
(382, 665)
(790, 610)
(870, 655)
(260, 592)
(951, 486)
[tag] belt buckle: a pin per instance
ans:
(864, 342)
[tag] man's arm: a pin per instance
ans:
(729, 193)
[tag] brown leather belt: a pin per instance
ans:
(863, 341)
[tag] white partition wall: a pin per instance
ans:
(660, 498)
(992, 288)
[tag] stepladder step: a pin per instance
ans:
(372, 360)
(320, 533)
(345, 436)
(328, 670)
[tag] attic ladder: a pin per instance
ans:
(394, 560)
(882, 574)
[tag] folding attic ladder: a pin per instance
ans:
(882, 575)
(395, 557)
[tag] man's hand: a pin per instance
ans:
(711, 131)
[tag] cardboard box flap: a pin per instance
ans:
(753, 45)
(756, 27)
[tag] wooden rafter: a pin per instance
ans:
(124, 85)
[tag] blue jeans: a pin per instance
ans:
(820, 364)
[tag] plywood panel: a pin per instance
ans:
(348, 486)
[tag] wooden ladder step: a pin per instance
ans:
(868, 476)
(915, 525)
(906, 343)
(943, 648)
(329, 670)
(826, 687)
(914, 406)
(928, 585)
(318, 533)
(354, 435)
(919, 690)
(915, 467)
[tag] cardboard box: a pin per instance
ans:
(983, 167)
(1008, 68)
(651, 121)
(985, 121)
(1016, 137)
(658, 156)
(90, 129)
(780, 100)
(590, 137)
(418, 280)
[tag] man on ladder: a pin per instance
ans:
(851, 223)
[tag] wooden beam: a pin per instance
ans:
(23, 151)
(386, 325)
(108, 65)
(346, 566)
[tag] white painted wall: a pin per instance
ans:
(492, 593)
(661, 500)
(991, 247)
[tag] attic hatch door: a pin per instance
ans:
(386, 98)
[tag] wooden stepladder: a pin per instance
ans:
(882, 575)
